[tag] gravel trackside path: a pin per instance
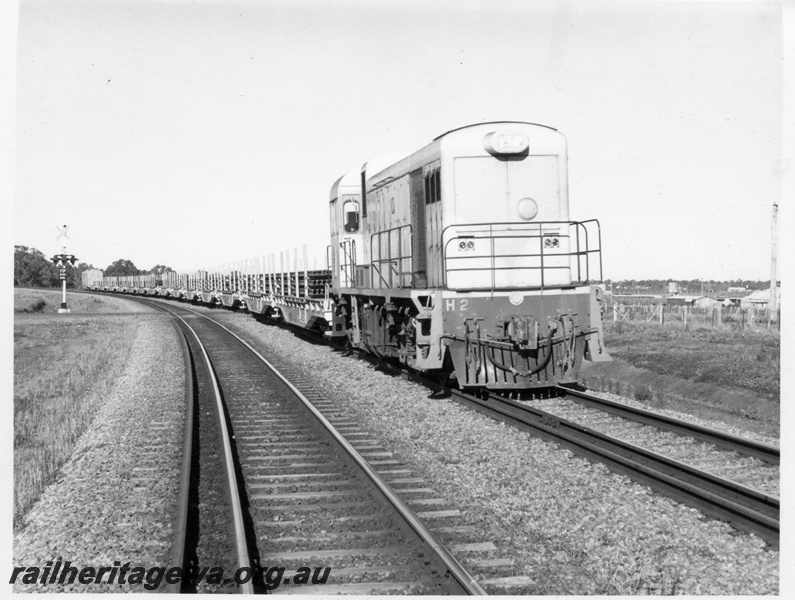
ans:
(115, 499)
(571, 526)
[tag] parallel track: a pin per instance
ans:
(743, 507)
(764, 452)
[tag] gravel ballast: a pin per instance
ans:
(572, 526)
(721, 425)
(114, 500)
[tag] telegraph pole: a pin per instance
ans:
(773, 304)
(60, 260)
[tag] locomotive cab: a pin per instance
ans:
(347, 254)
(345, 217)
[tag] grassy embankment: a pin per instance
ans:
(64, 367)
(708, 372)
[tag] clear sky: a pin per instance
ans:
(198, 133)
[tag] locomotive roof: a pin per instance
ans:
(351, 178)
(400, 167)
(492, 123)
(382, 163)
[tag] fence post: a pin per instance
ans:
(615, 312)
(662, 314)
(719, 311)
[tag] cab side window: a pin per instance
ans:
(432, 183)
(350, 212)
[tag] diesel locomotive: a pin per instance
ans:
(458, 259)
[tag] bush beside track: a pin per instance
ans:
(44, 301)
(64, 368)
(731, 376)
(113, 500)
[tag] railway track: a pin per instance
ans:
(744, 507)
(306, 506)
(763, 452)
(736, 493)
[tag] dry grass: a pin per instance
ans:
(746, 360)
(64, 367)
(47, 301)
(716, 374)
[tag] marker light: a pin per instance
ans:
(505, 142)
(528, 208)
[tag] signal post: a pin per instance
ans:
(60, 260)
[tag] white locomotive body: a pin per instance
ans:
(465, 260)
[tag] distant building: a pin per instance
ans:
(737, 289)
(730, 300)
(760, 299)
(704, 302)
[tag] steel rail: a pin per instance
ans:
(464, 579)
(181, 516)
(765, 452)
(243, 558)
(744, 507)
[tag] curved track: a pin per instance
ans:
(309, 498)
(180, 526)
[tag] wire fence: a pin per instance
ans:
(733, 317)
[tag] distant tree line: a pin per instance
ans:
(33, 269)
(126, 268)
(685, 286)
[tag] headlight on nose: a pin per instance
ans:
(505, 142)
(528, 208)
